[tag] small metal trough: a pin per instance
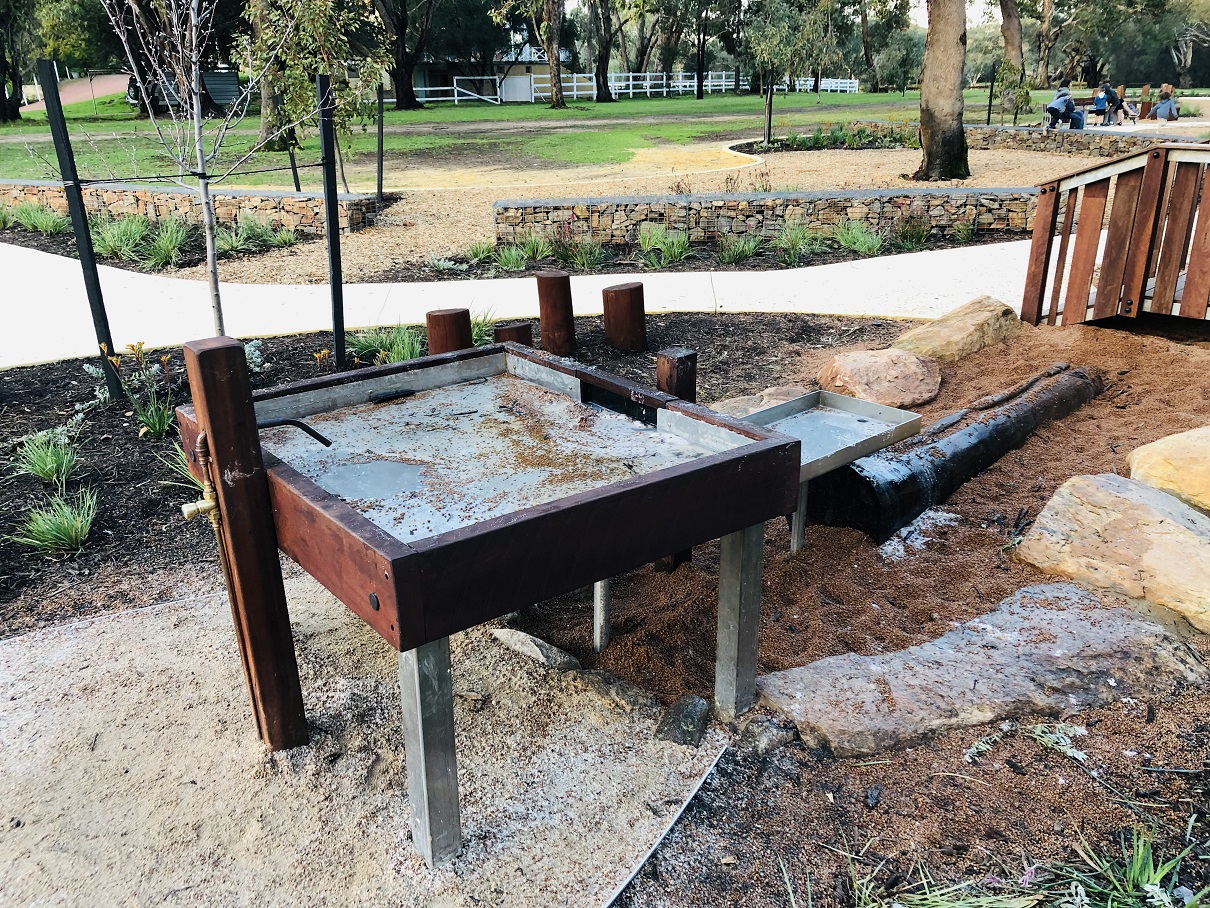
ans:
(834, 430)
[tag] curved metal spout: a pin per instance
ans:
(297, 424)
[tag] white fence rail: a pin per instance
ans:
(535, 87)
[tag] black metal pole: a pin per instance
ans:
(380, 143)
(293, 163)
(327, 144)
(79, 222)
(991, 92)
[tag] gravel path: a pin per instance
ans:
(435, 222)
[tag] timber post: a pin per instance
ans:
(625, 318)
(556, 322)
(449, 330)
(518, 332)
(222, 400)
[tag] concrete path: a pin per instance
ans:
(46, 314)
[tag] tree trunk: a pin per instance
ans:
(203, 181)
(867, 49)
(1014, 53)
(402, 74)
(768, 138)
(550, 41)
(941, 134)
(10, 97)
(1048, 37)
(603, 21)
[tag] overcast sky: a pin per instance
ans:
(977, 12)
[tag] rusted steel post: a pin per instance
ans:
(222, 400)
(518, 333)
(556, 323)
(676, 374)
(449, 330)
(625, 318)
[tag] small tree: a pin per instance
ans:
(17, 24)
(785, 39)
(898, 64)
(167, 44)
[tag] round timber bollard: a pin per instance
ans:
(449, 330)
(518, 332)
(556, 323)
(625, 319)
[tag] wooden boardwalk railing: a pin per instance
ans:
(1133, 235)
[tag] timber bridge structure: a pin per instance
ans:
(1123, 237)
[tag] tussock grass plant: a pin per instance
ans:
(858, 237)
(164, 249)
(511, 258)
(1138, 877)
(482, 324)
(675, 247)
(964, 231)
(230, 240)
(482, 252)
(536, 246)
(6, 217)
(794, 241)
(661, 247)
(178, 466)
(40, 219)
(913, 233)
(258, 234)
(282, 237)
(735, 250)
(587, 254)
(120, 238)
(61, 525)
(51, 455)
(381, 346)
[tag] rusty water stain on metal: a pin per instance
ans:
(456, 455)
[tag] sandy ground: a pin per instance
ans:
(425, 223)
(130, 772)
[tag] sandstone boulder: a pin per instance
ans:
(1122, 535)
(1178, 464)
(739, 407)
(968, 329)
(538, 650)
(895, 378)
(1052, 649)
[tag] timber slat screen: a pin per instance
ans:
(1133, 236)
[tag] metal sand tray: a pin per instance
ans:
(456, 489)
(834, 430)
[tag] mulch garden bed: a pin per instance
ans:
(826, 821)
(141, 550)
(64, 244)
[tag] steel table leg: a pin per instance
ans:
(798, 525)
(600, 615)
(740, 565)
(428, 733)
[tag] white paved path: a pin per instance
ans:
(46, 317)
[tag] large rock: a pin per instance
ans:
(892, 377)
(1178, 464)
(538, 650)
(740, 407)
(1052, 649)
(1119, 534)
(968, 329)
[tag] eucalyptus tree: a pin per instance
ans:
(18, 23)
(942, 136)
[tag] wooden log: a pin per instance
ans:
(625, 317)
(518, 333)
(222, 400)
(449, 330)
(676, 373)
(556, 322)
(881, 493)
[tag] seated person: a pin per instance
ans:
(1113, 105)
(1166, 109)
(1063, 108)
(1130, 111)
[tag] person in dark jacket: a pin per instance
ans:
(1062, 108)
(1113, 105)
